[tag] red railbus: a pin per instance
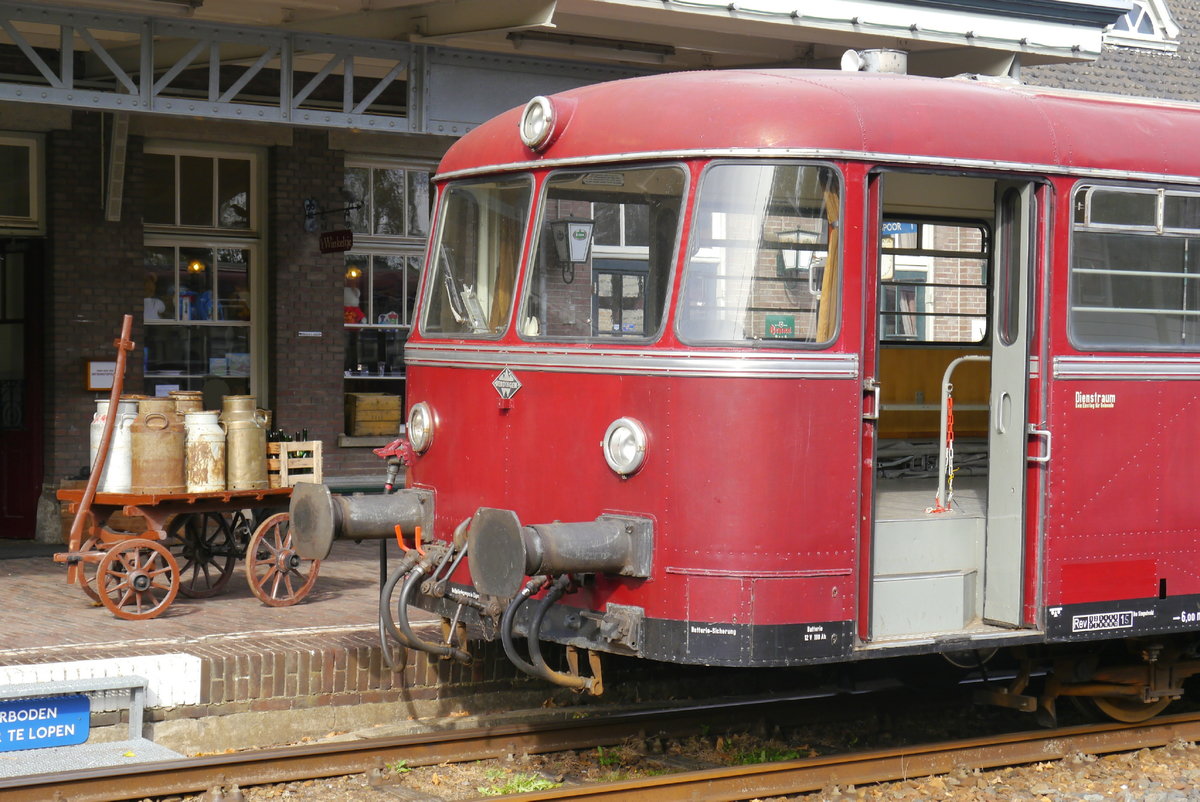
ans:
(768, 368)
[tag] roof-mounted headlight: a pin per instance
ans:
(624, 446)
(537, 122)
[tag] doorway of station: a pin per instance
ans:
(952, 348)
(21, 386)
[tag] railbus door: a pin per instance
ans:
(1007, 437)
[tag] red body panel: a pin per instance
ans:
(728, 480)
(756, 485)
(852, 113)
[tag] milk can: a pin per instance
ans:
(245, 443)
(204, 457)
(187, 401)
(115, 478)
(158, 446)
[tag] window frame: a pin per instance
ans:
(986, 255)
(35, 222)
(1082, 191)
(373, 163)
(257, 184)
(438, 226)
(683, 258)
(1166, 33)
(252, 239)
(619, 252)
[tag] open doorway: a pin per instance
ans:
(21, 410)
(955, 257)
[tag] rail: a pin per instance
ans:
(719, 783)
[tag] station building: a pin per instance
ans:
(250, 178)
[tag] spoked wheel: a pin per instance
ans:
(137, 579)
(1126, 709)
(77, 573)
(202, 544)
(278, 576)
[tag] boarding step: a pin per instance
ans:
(909, 605)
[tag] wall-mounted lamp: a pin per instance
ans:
(314, 210)
(572, 244)
(196, 266)
(353, 272)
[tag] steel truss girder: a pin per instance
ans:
(140, 67)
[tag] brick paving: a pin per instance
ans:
(319, 661)
(43, 613)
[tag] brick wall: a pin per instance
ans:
(305, 294)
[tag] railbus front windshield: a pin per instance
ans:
(476, 255)
(602, 258)
(763, 262)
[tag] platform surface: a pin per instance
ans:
(53, 616)
(224, 672)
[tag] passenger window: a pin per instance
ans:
(933, 281)
(1135, 269)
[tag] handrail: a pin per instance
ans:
(941, 502)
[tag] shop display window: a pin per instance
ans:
(390, 220)
(200, 268)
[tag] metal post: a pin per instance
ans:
(940, 500)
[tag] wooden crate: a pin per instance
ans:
(372, 414)
(287, 468)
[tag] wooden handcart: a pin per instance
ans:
(189, 546)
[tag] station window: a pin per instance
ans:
(1135, 269)
(21, 184)
(389, 215)
(763, 264)
(1147, 25)
(933, 282)
(201, 269)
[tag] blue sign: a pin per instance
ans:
(893, 229)
(39, 723)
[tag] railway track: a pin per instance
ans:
(194, 775)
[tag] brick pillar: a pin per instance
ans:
(305, 288)
(93, 278)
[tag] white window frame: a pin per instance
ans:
(35, 222)
(384, 241)
(257, 159)
(252, 239)
(1166, 32)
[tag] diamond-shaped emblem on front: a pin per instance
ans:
(506, 384)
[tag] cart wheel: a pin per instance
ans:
(278, 576)
(77, 572)
(202, 544)
(137, 579)
(243, 524)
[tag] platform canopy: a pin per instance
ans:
(440, 66)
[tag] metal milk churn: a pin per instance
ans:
(116, 476)
(158, 440)
(187, 401)
(245, 443)
(204, 458)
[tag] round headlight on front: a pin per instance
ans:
(537, 122)
(420, 426)
(624, 446)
